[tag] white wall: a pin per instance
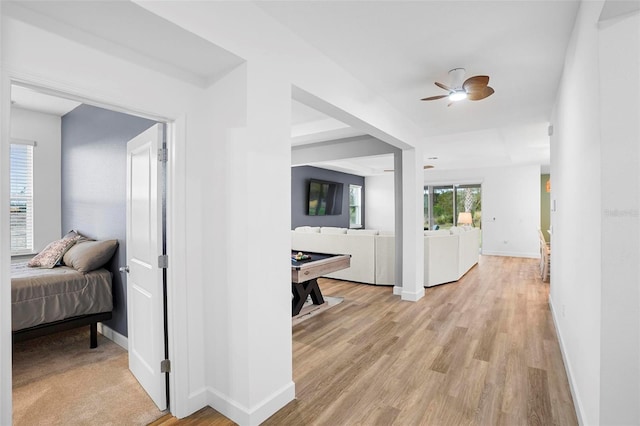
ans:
(511, 195)
(595, 181)
(619, 50)
(45, 130)
(5, 245)
(379, 202)
(575, 188)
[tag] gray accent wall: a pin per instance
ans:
(94, 172)
(300, 177)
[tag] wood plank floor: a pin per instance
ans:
(480, 351)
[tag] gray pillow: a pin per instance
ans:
(90, 255)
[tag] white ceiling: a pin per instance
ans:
(25, 98)
(397, 48)
(126, 30)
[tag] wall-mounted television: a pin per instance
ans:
(325, 198)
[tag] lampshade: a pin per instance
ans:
(464, 218)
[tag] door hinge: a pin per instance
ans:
(163, 155)
(165, 366)
(163, 261)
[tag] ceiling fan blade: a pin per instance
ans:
(442, 86)
(433, 98)
(475, 83)
(480, 94)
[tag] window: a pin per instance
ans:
(443, 204)
(355, 206)
(21, 214)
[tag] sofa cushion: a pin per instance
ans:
(455, 230)
(362, 231)
(311, 229)
(332, 230)
(437, 232)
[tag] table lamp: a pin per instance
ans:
(464, 218)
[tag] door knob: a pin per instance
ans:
(124, 269)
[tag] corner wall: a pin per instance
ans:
(94, 175)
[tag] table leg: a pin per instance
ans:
(300, 292)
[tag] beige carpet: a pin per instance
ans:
(58, 380)
(310, 310)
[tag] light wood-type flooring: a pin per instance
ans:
(480, 351)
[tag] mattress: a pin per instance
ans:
(40, 296)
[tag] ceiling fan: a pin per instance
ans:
(474, 88)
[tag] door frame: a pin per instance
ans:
(176, 305)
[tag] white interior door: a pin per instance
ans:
(145, 307)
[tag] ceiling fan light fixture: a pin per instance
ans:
(458, 95)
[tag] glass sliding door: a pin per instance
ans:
(443, 204)
(443, 207)
(427, 209)
(468, 199)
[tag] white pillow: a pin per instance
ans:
(308, 229)
(362, 231)
(332, 230)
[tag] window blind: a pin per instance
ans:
(21, 215)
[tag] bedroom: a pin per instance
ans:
(79, 182)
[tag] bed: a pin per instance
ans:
(76, 291)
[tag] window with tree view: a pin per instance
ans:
(355, 206)
(21, 213)
(443, 204)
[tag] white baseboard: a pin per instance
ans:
(413, 296)
(114, 336)
(397, 290)
(567, 367)
(250, 417)
(535, 255)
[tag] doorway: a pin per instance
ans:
(105, 214)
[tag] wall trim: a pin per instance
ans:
(567, 367)
(263, 410)
(535, 255)
(397, 290)
(114, 336)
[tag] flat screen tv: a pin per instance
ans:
(325, 198)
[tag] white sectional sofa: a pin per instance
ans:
(448, 254)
